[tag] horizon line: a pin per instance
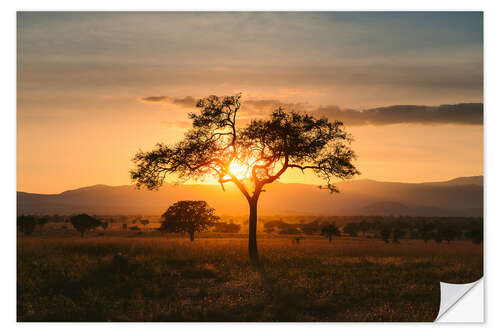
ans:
(215, 184)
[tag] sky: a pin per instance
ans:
(94, 88)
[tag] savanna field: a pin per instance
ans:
(144, 276)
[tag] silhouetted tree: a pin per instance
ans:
(425, 231)
(449, 232)
(385, 234)
(438, 237)
(26, 223)
(310, 228)
(475, 233)
(189, 217)
(83, 223)
(298, 239)
(104, 225)
(227, 227)
(329, 231)
(397, 234)
(144, 222)
(351, 229)
(265, 149)
(42, 221)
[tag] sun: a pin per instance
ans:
(238, 169)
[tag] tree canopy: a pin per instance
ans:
(27, 224)
(249, 156)
(83, 223)
(188, 216)
(329, 231)
(266, 148)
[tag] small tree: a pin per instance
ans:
(104, 225)
(397, 234)
(351, 229)
(83, 223)
(144, 222)
(438, 237)
(385, 234)
(26, 223)
(425, 231)
(329, 231)
(224, 227)
(188, 216)
(475, 233)
(42, 221)
(449, 232)
(252, 156)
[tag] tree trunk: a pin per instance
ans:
(252, 233)
(191, 236)
(329, 238)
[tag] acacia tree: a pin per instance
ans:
(224, 227)
(26, 223)
(144, 222)
(83, 223)
(42, 221)
(188, 216)
(329, 231)
(251, 156)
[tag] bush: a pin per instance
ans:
(83, 223)
(26, 223)
(227, 227)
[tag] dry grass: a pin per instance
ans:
(171, 279)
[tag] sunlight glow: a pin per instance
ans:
(239, 170)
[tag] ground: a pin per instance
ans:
(138, 277)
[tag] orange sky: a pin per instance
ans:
(82, 78)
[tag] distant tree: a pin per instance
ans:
(26, 224)
(364, 227)
(188, 217)
(83, 223)
(438, 237)
(250, 157)
(397, 234)
(449, 232)
(144, 222)
(42, 221)
(351, 229)
(227, 227)
(425, 231)
(310, 228)
(124, 226)
(298, 239)
(385, 234)
(329, 231)
(290, 230)
(104, 225)
(475, 233)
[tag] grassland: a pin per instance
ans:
(139, 277)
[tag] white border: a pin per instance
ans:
(8, 168)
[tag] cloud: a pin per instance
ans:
(185, 102)
(461, 114)
(250, 108)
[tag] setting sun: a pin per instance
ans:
(239, 170)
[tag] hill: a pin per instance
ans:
(457, 197)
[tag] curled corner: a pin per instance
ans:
(451, 294)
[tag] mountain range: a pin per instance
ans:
(457, 197)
